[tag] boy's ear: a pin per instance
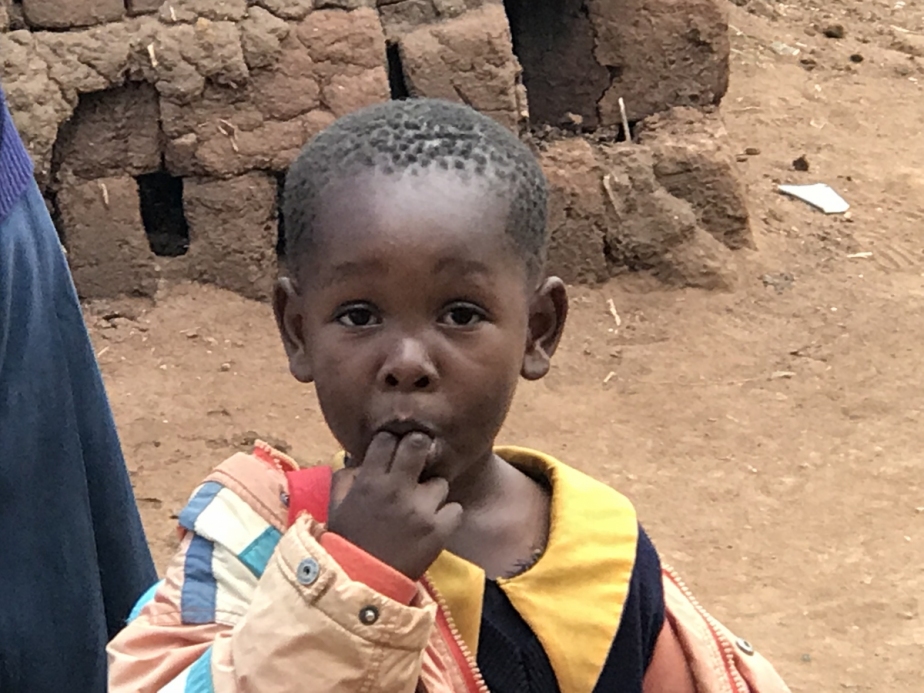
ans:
(286, 306)
(548, 311)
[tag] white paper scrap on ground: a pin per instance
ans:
(818, 195)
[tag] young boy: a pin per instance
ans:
(430, 561)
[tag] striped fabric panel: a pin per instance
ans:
(199, 591)
(257, 554)
(228, 520)
(196, 679)
(236, 585)
(230, 548)
(200, 501)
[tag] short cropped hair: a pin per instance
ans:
(418, 135)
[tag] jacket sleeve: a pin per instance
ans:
(304, 612)
(719, 661)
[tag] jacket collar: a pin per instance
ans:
(573, 597)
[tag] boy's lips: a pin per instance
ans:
(402, 427)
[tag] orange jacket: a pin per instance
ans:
(254, 603)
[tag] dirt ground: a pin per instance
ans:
(768, 436)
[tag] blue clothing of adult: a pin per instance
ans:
(73, 557)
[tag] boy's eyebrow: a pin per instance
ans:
(461, 266)
(347, 270)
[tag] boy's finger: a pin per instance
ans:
(411, 456)
(449, 518)
(380, 453)
(435, 491)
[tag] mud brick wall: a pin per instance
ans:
(161, 131)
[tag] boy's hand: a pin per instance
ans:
(389, 513)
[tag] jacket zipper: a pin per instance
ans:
(461, 652)
(726, 648)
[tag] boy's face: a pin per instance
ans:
(415, 312)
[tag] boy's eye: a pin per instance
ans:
(463, 315)
(357, 316)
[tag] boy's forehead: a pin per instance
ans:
(436, 222)
(428, 207)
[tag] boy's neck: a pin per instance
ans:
(480, 484)
(505, 518)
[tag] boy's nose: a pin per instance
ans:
(408, 368)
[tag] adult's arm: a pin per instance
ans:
(73, 556)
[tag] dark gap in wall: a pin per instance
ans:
(51, 184)
(554, 41)
(280, 221)
(17, 20)
(162, 213)
(397, 82)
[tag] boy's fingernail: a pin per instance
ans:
(420, 438)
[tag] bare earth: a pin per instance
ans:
(769, 437)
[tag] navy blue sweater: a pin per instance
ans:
(512, 660)
(73, 557)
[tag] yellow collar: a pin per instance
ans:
(573, 597)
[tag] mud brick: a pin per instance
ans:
(663, 53)
(576, 211)
(233, 232)
(694, 162)
(113, 132)
(468, 59)
(107, 247)
(135, 7)
(332, 63)
(67, 14)
(213, 10)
